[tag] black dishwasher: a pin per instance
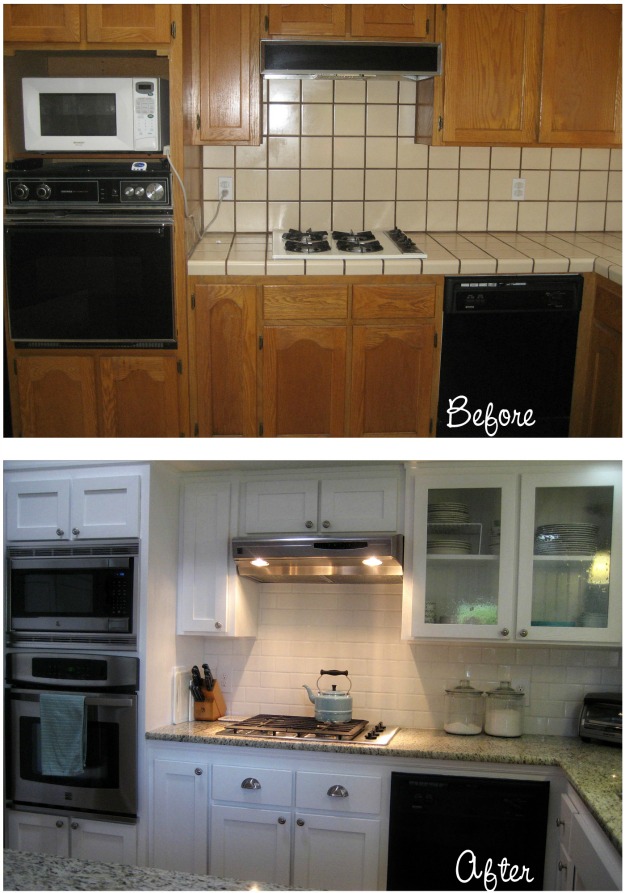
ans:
(508, 355)
(466, 833)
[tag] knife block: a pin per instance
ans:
(212, 707)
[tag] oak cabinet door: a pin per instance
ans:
(491, 80)
(304, 381)
(602, 410)
(392, 370)
(57, 396)
(128, 23)
(225, 360)
(581, 87)
(139, 396)
(392, 20)
(307, 19)
(42, 22)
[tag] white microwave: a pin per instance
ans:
(95, 114)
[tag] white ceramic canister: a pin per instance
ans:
(504, 712)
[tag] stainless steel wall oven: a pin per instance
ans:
(88, 254)
(73, 595)
(52, 697)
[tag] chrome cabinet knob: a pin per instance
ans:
(75, 826)
(337, 790)
(309, 524)
(217, 624)
(505, 631)
(199, 771)
(75, 531)
(59, 823)
(523, 633)
(282, 820)
(60, 532)
(326, 524)
(251, 784)
(301, 822)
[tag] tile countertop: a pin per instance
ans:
(37, 871)
(594, 770)
(448, 253)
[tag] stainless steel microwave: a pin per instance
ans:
(73, 594)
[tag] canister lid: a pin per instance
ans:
(505, 690)
(464, 687)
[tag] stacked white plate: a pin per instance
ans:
(442, 545)
(565, 539)
(448, 513)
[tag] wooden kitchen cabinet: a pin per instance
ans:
(73, 508)
(97, 396)
(464, 579)
(128, 23)
(71, 837)
(223, 106)
(393, 20)
(349, 503)
(224, 330)
(490, 91)
(581, 78)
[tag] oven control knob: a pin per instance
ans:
(21, 191)
(129, 190)
(139, 192)
(155, 192)
(43, 191)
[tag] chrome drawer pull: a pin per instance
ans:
(337, 790)
(250, 784)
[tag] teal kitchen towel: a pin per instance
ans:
(63, 733)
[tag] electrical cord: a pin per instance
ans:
(187, 215)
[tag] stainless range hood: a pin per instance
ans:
(356, 558)
(335, 59)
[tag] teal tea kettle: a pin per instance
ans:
(331, 706)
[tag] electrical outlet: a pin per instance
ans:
(518, 189)
(224, 680)
(225, 188)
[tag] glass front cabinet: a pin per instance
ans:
(515, 556)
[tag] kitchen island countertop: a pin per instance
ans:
(448, 253)
(594, 770)
(38, 871)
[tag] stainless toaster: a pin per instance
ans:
(601, 718)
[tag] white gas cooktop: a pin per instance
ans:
(324, 244)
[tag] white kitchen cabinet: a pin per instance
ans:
(473, 573)
(587, 860)
(212, 599)
(71, 836)
(73, 508)
(363, 502)
(179, 815)
(251, 844)
(336, 852)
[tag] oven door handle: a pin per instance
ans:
(90, 699)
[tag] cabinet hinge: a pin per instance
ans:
(440, 122)
(427, 26)
(179, 367)
(192, 300)
(266, 23)
(435, 339)
(261, 429)
(196, 430)
(260, 342)
(443, 6)
(197, 122)
(172, 30)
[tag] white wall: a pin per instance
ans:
(304, 629)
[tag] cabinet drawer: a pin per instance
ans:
(385, 302)
(304, 302)
(322, 790)
(252, 786)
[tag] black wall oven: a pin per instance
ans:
(73, 595)
(89, 256)
(47, 694)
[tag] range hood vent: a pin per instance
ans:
(336, 60)
(355, 558)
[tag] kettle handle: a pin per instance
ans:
(333, 673)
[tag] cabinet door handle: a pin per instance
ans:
(325, 524)
(75, 531)
(523, 633)
(60, 532)
(337, 790)
(282, 820)
(251, 784)
(60, 823)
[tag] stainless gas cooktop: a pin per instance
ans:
(305, 728)
(319, 244)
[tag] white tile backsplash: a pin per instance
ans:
(304, 629)
(369, 129)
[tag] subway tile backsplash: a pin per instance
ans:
(303, 629)
(343, 154)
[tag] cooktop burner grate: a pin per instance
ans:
(316, 245)
(268, 725)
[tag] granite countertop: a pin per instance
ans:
(448, 253)
(37, 871)
(594, 770)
